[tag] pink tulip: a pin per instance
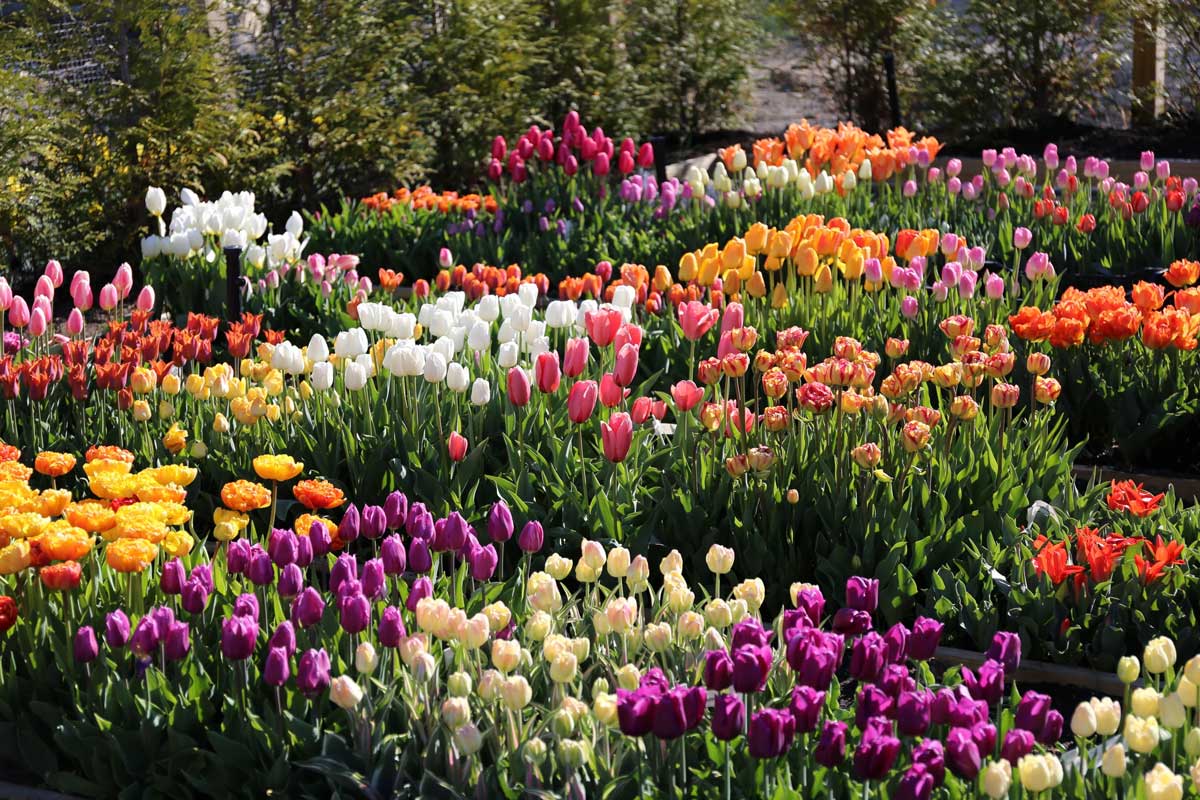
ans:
(686, 395)
(6, 295)
(953, 186)
(873, 270)
(602, 325)
(445, 258)
(1022, 237)
(108, 297)
(967, 283)
(456, 446)
(495, 170)
(600, 166)
(145, 299)
(989, 158)
(518, 387)
(581, 401)
(123, 280)
(546, 372)
(75, 322)
(54, 272)
(45, 305)
(910, 188)
(734, 317)
(44, 288)
(908, 307)
(576, 357)
(611, 393)
(953, 167)
(935, 174)
(993, 284)
(616, 435)
(725, 345)
(326, 288)
(80, 276)
(627, 364)
(1071, 165)
(1147, 160)
(1050, 156)
(18, 313)
(628, 334)
(696, 319)
(37, 322)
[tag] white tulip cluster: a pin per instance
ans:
(201, 228)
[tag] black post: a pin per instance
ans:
(889, 67)
(659, 143)
(233, 283)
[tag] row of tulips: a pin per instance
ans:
(387, 651)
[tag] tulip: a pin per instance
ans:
(374, 581)
(518, 387)
(806, 707)
(177, 642)
(391, 627)
(877, 751)
(238, 636)
(419, 557)
(831, 745)
(751, 665)
(1018, 743)
(575, 357)
(86, 648)
(962, 754)
(483, 563)
(718, 670)
(546, 372)
(581, 401)
(354, 613)
(116, 629)
(308, 608)
(626, 365)
(771, 732)
(312, 673)
(456, 446)
(617, 436)
(728, 717)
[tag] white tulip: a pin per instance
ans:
(480, 336)
(295, 224)
(403, 326)
(507, 357)
(322, 376)
(506, 333)
(232, 238)
(849, 181)
(367, 363)
(351, 343)
(318, 349)
(257, 256)
(435, 368)
(193, 240)
(444, 347)
(521, 318)
(865, 170)
(151, 246)
(356, 376)
(457, 379)
(488, 308)
(481, 392)
(441, 322)
(156, 201)
(528, 293)
(188, 197)
(539, 345)
(624, 296)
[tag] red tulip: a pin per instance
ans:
(456, 446)
(625, 163)
(518, 387)
(617, 435)
(611, 393)
(581, 401)
(602, 325)
(575, 357)
(645, 155)
(546, 372)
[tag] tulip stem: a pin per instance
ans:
(583, 474)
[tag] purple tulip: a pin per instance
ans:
(670, 716)
(355, 613)
(237, 555)
(635, 710)
(238, 635)
(308, 608)
(261, 570)
(851, 621)
(291, 581)
(913, 711)
(1017, 744)
(420, 522)
(962, 754)
(419, 557)
(771, 732)
(1051, 732)
(749, 632)
(896, 643)
(87, 649)
(728, 716)
(116, 629)
(895, 679)
(145, 639)
(345, 568)
(868, 655)
(395, 509)
(984, 734)
(312, 673)
(348, 528)
(246, 605)
(718, 670)
(986, 685)
(794, 619)
(532, 537)
(178, 641)
(806, 707)
(277, 670)
(930, 754)
(751, 665)
(483, 562)
(872, 702)
(916, 783)
(374, 521)
(422, 587)
(816, 668)
(500, 522)
(374, 580)
(304, 551)
(924, 640)
(391, 627)
(831, 746)
(282, 547)
(202, 573)
(319, 538)
(395, 560)
(877, 751)
(1006, 648)
(284, 636)
(862, 594)
(171, 581)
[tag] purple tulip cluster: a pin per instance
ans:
(659, 708)
(158, 633)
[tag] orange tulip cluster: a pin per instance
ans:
(134, 514)
(838, 150)
(1104, 315)
(1096, 557)
(425, 199)
(483, 279)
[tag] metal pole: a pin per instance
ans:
(233, 283)
(889, 67)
